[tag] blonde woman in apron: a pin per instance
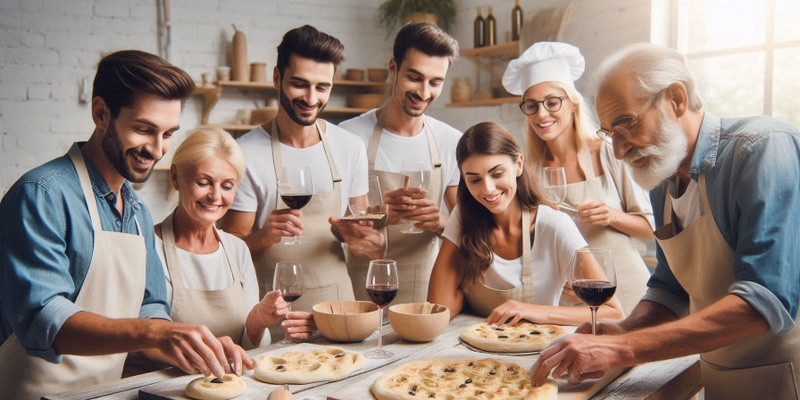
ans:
(210, 276)
(609, 208)
(505, 256)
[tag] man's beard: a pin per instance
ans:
(288, 107)
(665, 155)
(112, 147)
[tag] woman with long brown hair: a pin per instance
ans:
(504, 254)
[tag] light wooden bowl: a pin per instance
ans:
(354, 74)
(415, 322)
(346, 321)
(377, 74)
(365, 100)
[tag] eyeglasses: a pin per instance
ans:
(530, 107)
(624, 132)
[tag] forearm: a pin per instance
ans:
(725, 322)
(631, 224)
(257, 321)
(258, 241)
(89, 334)
(647, 314)
(453, 300)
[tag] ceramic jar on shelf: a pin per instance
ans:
(461, 90)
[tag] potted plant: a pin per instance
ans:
(394, 13)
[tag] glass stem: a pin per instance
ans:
(594, 319)
(286, 330)
(380, 328)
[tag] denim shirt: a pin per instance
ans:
(46, 244)
(752, 170)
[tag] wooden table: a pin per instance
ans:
(672, 379)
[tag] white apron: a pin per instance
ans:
(224, 312)
(114, 288)
(320, 254)
(763, 367)
(632, 273)
(414, 253)
(481, 299)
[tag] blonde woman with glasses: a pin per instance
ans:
(608, 207)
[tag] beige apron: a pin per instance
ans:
(632, 273)
(414, 253)
(223, 312)
(320, 254)
(762, 367)
(114, 288)
(481, 300)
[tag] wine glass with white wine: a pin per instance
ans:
(416, 181)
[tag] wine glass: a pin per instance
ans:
(295, 188)
(382, 284)
(416, 179)
(289, 280)
(554, 183)
(370, 207)
(593, 278)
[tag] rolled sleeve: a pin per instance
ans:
(42, 331)
(766, 303)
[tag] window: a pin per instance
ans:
(745, 55)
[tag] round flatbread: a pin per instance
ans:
(301, 367)
(213, 388)
(523, 337)
(462, 378)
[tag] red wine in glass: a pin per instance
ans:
(382, 295)
(594, 292)
(288, 278)
(291, 297)
(296, 202)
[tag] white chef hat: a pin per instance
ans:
(544, 62)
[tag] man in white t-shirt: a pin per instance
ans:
(336, 159)
(401, 132)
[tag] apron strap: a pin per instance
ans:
(277, 158)
(528, 290)
(86, 185)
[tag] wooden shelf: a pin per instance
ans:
(487, 102)
(504, 50)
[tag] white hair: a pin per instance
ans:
(203, 144)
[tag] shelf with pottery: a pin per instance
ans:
(499, 52)
(212, 93)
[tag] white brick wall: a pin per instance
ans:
(48, 46)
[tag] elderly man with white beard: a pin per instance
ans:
(726, 197)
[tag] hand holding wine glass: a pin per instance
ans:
(370, 207)
(382, 285)
(554, 182)
(295, 189)
(288, 279)
(416, 180)
(593, 278)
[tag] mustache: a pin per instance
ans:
(302, 103)
(142, 154)
(418, 98)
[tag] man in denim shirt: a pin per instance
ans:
(79, 274)
(727, 204)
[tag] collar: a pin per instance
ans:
(101, 188)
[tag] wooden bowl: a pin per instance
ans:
(377, 74)
(346, 321)
(353, 74)
(259, 116)
(416, 323)
(365, 100)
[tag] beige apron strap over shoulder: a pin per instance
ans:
(482, 299)
(117, 270)
(414, 253)
(320, 254)
(763, 366)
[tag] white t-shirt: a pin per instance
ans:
(394, 149)
(257, 192)
(211, 271)
(555, 240)
(687, 207)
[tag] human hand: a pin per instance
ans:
(194, 349)
(603, 327)
(427, 214)
(596, 212)
(576, 357)
(299, 325)
(399, 203)
(272, 307)
(511, 312)
(361, 237)
(284, 223)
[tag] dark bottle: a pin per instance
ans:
(480, 28)
(490, 36)
(516, 21)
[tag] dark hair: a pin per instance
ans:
(307, 42)
(487, 138)
(124, 74)
(427, 38)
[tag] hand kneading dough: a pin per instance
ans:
(204, 389)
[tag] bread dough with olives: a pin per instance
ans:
(213, 388)
(302, 367)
